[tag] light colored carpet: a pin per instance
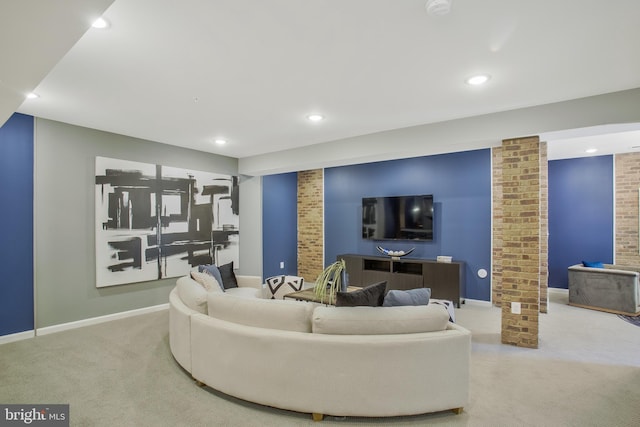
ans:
(585, 373)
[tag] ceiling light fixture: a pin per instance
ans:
(590, 150)
(438, 7)
(480, 79)
(100, 23)
(220, 141)
(33, 95)
(315, 117)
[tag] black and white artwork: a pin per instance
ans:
(155, 222)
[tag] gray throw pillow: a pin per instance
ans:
(418, 296)
(372, 295)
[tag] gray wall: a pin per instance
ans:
(251, 225)
(64, 246)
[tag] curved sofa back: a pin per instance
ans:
(345, 375)
(286, 315)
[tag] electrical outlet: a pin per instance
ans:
(281, 265)
(516, 308)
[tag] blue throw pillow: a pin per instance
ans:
(212, 269)
(594, 264)
(418, 296)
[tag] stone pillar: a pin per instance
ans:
(310, 224)
(521, 253)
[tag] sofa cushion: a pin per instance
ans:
(379, 320)
(396, 297)
(278, 286)
(284, 315)
(372, 295)
(208, 282)
(228, 276)
(593, 264)
(192, 294)
(244, 292)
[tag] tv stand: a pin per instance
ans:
(446, 280)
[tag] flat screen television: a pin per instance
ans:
(398, 218)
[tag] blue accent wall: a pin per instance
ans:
(280, 224)
(581, 194)
(461, 187)
(16, 225)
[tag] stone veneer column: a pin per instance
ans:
(521, 258)
(627, 184)
(496, 268)
(310, 224)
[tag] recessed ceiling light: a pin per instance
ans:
(590, 150)
(100, 23)
(220, 141)
(33, 95)
(315, 117)
(480, 79)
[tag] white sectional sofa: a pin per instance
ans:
(306, 357)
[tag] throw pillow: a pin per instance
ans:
(418, 296)
(228, 276)
(593, 264)
(208, 282)
(212, 270)
(278, 286)
(372, 295)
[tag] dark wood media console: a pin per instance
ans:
(446, 280)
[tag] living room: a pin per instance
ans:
(50, 263)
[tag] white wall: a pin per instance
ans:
(452, 136)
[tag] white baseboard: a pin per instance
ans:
(100, 319)
(5, 339)
(558, 291)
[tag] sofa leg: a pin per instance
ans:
(317, 417)
(457, 411)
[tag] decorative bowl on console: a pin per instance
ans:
(394, 254)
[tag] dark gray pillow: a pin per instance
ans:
(418, 296)
(372, 296)
(228, 276)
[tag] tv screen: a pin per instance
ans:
(397, 218)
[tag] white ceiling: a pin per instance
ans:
(187, 72)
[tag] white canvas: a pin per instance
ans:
(155, 222)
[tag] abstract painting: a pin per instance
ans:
(155, 222)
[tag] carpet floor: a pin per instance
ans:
(586, 372)
(634, 320)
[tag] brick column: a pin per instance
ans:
(496, 268)
(521, 258)
(310, 224)
(627, 177)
